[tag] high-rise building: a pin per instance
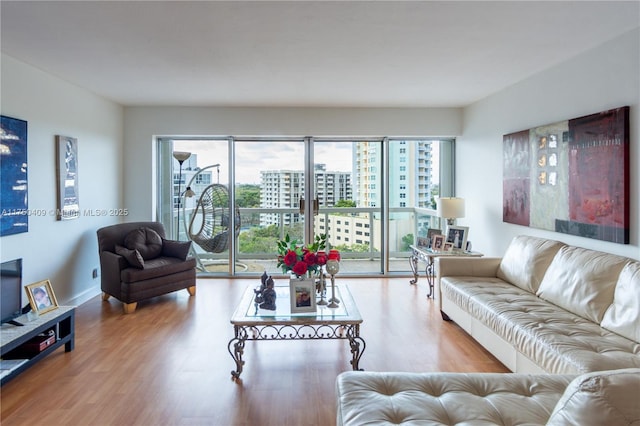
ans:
(283, 189)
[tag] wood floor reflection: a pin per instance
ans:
(168, 364)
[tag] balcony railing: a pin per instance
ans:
(405, 224)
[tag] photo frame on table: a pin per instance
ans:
(67, 170)
(303, 295)
(448, 247)
(430, 234)
(437, 242)
(422, 242)
(457, 235)
(41, 296)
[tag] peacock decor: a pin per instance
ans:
(211, 219)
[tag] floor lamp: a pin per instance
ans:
(181, 156)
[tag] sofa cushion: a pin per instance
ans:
(526, 261)
(600, 398)
(155, 268)
(582, 281)
(147, 241)
(133, 257)
(554, 339)
(179, 249)
(389, 398)
(622, 316)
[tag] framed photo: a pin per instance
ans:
(303, 295)
(448, 246)
(457, 235)
(67, 168)
(430, 234)
(437, 242)
(423, 242)
(41, 296)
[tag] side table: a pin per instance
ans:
(427, 255)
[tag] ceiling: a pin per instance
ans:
(304, 53)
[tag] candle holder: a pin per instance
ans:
(333, 267)
(322, 282)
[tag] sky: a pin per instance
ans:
(254, 157)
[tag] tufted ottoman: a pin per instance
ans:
(600, 398)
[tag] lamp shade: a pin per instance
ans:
(181, 156)
(451, 207)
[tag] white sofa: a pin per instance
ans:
(601, 398)
(546, 307)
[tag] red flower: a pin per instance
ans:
(300, 268)
(321, 258)
(310, 258)
(290, 258)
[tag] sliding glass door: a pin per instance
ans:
(235, 197)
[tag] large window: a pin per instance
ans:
(372, 197)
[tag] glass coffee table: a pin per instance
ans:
(251, 323)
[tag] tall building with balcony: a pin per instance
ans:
(283, 189)
(189, 170)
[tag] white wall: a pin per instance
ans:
(600, 79)
(64, 252)
(143, 124)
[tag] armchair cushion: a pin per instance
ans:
(147, 241)
(179, 249)
(133, 257)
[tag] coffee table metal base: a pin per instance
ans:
(350, 332)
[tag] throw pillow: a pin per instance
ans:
(147, 241)
(132, 256)
(179, 249)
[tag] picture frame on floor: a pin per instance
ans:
(303, 295)
(41, 296)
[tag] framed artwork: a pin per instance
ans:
(41, 296)
(571, 176)
(457, 235)
(303, 295)
(437, 242)
(14, 204)
(67, 170)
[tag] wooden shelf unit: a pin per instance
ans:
(12, 337)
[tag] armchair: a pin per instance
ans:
(138, 263)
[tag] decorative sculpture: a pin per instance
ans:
(263, 286)
(269, 296)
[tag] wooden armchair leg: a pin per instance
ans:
(130, 308)
(105, 296)
(192, 290)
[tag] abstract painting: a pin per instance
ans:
(14, 206)
(67, 169)
(571, 176)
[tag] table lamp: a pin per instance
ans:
(451, 208)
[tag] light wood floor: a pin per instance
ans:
(168, 364)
